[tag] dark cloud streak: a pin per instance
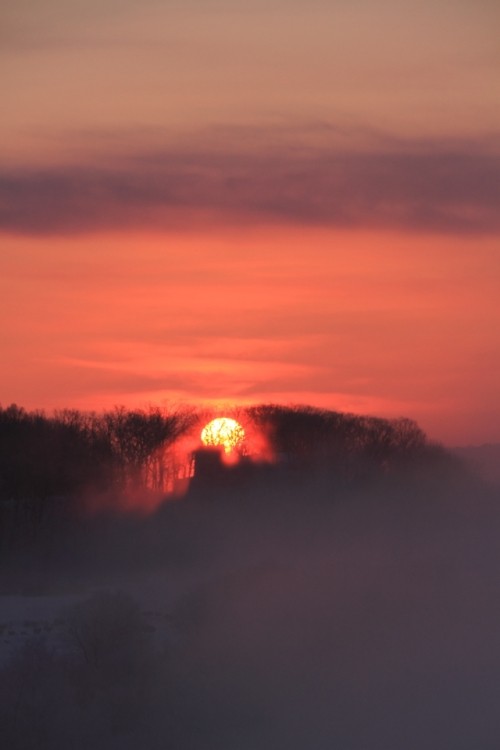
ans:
(416, 189)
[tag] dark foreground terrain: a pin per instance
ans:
(288, 612)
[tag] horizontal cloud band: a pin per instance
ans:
(433, 189)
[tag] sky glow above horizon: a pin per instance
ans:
(297, 203)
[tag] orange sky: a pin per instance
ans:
(286, 202)
(370, 322)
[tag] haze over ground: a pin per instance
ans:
(269, 614)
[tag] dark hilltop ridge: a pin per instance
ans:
(70, 453)
(71, 480)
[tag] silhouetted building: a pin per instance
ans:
(214, 478)
(208, 465)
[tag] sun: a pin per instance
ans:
(224, 432)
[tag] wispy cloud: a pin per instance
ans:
(436, 187)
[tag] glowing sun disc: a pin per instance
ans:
(223, 432)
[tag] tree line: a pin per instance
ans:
(53, 465)
(50, 463)
(309, 437)
(60, 454)
(68, 452)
